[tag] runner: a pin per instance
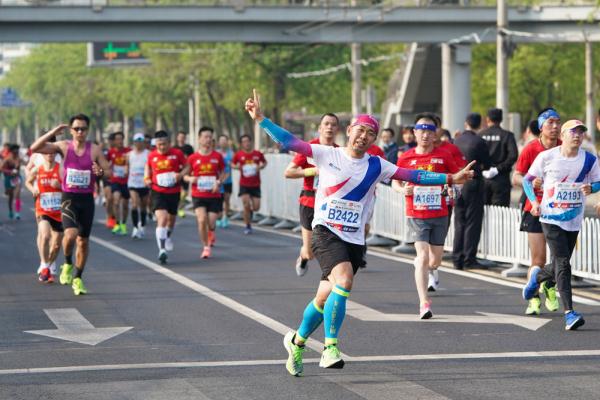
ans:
(136, 163)
(568, 174)
(249, 162)
(227, 187)
(301, 167)
(47, 194)
(82, 162)
(117, 156)
(427, 209)
(187, 150)
(347, 178)
(549, 124)
(11, 168)
(164, 170)
(111, 221)
(206, 174)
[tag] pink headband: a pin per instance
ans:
(366, 120)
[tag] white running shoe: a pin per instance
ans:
(141, 232)
(433, 283)
(134, 233)
(40, 268)
(168, 244)
(53, 268)
(301, 266)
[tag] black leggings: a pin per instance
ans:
(561, 244)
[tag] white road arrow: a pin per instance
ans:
(73, 327)
(368, 314)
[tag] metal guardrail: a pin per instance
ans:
(500, 241)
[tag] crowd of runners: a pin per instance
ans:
(153, 179)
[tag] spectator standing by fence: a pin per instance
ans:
(503, 153)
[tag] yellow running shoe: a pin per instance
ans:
(551, 302)
(66, 277)
(534, 306)
(78, 287)
(181, 213)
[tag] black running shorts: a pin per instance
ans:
(212, 204)
(77, 211)
(165, 201)
(330, 250)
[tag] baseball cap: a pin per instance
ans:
(366, 120)
(138, 137)
(572, 124)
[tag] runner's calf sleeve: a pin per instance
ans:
(161, 237)
(334, 313)
(135, 217)
(312, 318)
(143, 217)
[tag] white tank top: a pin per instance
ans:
(137, 163)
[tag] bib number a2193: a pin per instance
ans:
(567, 195)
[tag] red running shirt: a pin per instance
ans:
(375, 150)
(249, 167)
(49, 200)
(118, 160)
(164, 167)
(427, 201)
(524, 162)
(207, 168)
(310, 183)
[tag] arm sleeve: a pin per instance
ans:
(528, 187)
(420, 177)
(285, 138)
(511, 154)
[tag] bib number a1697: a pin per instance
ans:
(427, 198)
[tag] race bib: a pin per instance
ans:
(206, 183)
(344, 214)
(567, 195)
(427, 198)
(50, 201)
(78, 178)
(119, 171)
(249, 170)
(166, 179)
(136, 177)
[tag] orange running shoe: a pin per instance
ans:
(212, 238)
(111, 222)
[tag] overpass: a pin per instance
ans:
(101, 21)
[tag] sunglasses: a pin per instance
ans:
(80, 129)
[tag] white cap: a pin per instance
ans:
(138, 137)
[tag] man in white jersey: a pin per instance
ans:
(136, 162)
(347, 179)
(569, 174)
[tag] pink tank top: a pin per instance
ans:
(78, 176)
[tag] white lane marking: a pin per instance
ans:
(203, 290)
(365, 313)
(249, 363)
(466, 274)
(383, 387)
(73, 327)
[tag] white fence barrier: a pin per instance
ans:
(500, 237)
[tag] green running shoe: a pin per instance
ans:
(534, 306)
(294, 362)
(66, 277)
(551, 302)
(123, 229)
(116, 229)
(331, 358)
(78, 287)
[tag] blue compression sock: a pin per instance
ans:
(334, 313)
(312, 318)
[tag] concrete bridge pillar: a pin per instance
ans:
(456, 85)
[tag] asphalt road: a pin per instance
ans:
(212, 329)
